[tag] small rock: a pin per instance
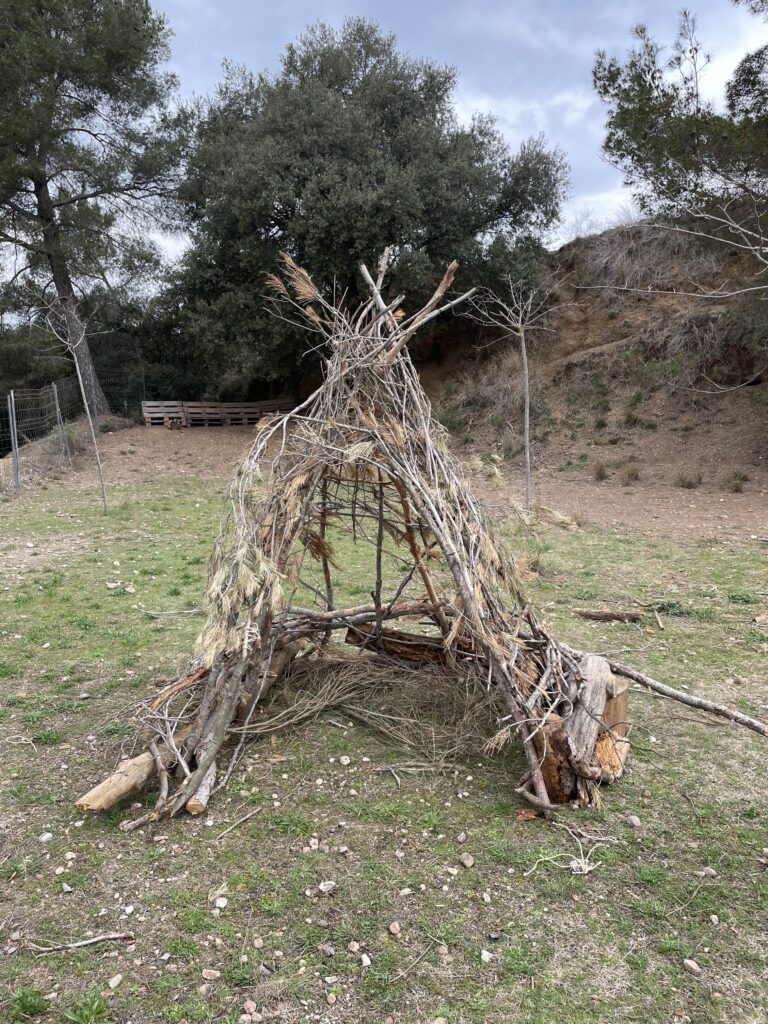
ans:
(485, 956)
(461, 837)
(46, 837)
(331, 999)
(244, 1018)
(353, 947)
(66, 888)
(394, 928)
(258, 942)
(345, 760)
(633, 821)
(70, 856)
(249, 1006)
(714, 919)
(440, 1020)
(365, 960)
(467, 860)
(326, 887)
(115, 981)
(692, 967)
(442, 950)
(220, 902)
(210, 974)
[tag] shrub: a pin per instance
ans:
(600, 422)
(689, 479)
(629, 474)
(600, 471)
(734, 481)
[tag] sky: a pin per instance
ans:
(527, 63)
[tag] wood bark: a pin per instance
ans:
(606, 615)
(77, 341)
(198, 802)
(589, 745)
(130, 776)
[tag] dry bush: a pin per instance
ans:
(629, 473)
(734, 481)
(688, 479)
(638, 255)
(600, 471)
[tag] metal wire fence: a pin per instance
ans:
(42, 430)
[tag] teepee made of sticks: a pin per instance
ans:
(359, 475)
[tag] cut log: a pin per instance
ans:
(612, 747)
(198, 803)
(606, 615)
(589, 745)
(130, 776)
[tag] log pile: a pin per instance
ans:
(363, 462)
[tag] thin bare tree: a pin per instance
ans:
(57, 318)
(521, 310)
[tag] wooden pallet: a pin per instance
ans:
(231, 414)
(163, 414)
(210, 414)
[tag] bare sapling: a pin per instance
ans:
(59, 324)
(522, 309)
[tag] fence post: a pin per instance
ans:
(60, 423)
(14, 439)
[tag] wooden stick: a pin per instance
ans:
(198, 802)
(416, 554)
(111, 937)
(721, 710)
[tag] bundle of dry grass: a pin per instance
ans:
(363, 457)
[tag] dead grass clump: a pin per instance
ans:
(600, 471)
(734, 481)
(688, 479)
(640, 255)
(629, 474)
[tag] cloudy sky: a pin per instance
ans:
(528, 63)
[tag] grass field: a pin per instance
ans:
(77, 648)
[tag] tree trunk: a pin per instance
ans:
(526, 420)
(77, 342)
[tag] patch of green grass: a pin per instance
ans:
(289, 823)
(91, 1009)
(28, 1004)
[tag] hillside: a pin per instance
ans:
(628, 416)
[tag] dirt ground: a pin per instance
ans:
(650, 505)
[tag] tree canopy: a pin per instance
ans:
(87, 144)
(351, 146)
(682, 155)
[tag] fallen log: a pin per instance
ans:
(606, 615)
(131, 775)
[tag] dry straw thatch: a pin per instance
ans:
(363, 457)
